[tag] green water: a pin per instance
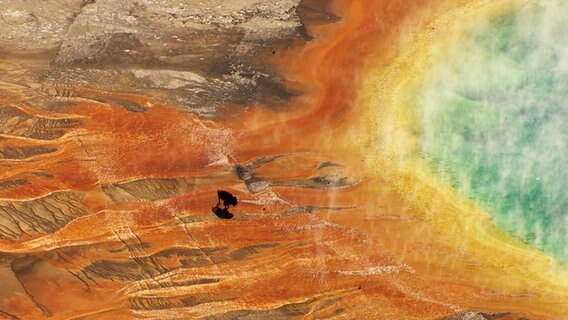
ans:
(495, 122)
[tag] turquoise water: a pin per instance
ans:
(495, 122)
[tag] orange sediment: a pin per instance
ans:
(394, 244)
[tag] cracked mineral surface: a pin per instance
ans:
(121, 121)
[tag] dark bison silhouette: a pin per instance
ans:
(228, 200)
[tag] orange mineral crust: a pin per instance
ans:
(108, 186)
